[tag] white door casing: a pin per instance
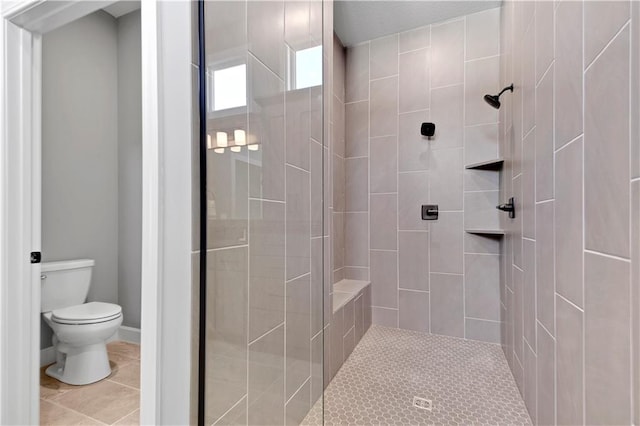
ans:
(166, 245)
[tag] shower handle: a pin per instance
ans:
(509, 207)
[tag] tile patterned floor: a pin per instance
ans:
(469, 382)
(112, 401)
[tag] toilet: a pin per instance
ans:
(80, 329)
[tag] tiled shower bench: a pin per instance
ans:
(350, 320)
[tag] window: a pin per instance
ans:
(230, 87)
(309, 67)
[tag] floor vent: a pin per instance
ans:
(422, 403)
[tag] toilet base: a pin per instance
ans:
(80, 365)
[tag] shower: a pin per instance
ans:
(494, 100)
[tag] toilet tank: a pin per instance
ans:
(65, 283)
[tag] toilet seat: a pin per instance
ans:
(87, 313)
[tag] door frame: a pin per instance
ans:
(166, 204)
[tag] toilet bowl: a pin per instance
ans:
(80, 329)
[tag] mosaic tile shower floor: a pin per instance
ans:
(469, 382)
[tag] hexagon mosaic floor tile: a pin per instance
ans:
(468, 382)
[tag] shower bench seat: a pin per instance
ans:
(350, 320)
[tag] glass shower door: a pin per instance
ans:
(263, 340)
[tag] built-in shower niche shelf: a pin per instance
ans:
(492, 232)
(495, 164)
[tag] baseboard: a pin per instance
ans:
(129, 334)
(47, 356)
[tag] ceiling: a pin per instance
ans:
(356, 21)
(121, 8)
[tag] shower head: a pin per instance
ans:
(494, 100)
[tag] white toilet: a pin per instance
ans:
(80, 329)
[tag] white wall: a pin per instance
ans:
(129, 167)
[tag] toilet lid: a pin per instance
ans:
(87, 313)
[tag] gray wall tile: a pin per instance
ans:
(447, 111)
(357, 129)
(487, 331)
(546, 371)
(297, 334)
(413, 313)
(265, 29)
(544, 265)
(413, 193)
(568, 222)
(415, 39)
(384, 221)
(483, 34)
(446, 179)
(447, 53)
(607, 340)
(481, 77)
(385, 317)
(357, 75)
(383, 107)
(298, 223)
(384, 279)
(447, 243)
(266, 267)
(266, 379)
(357, 184)
(544, 138)
(383, 164)
(356, 239)
(569, 75)
(413, 149)
(603, 20)
(413, 260)
(480, 210)
(384, 57)
(607, 165)
(482, 291)
(447, 304)
(414, 91)
(480, 143)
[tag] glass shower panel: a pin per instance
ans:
(265, 221)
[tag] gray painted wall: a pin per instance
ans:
(130, 167)
(84, 215)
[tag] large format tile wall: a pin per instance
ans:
(426, 276)
(264, 215)
(569, 134)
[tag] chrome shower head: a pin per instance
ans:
(494, 100)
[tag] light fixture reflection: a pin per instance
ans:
(236, 149)
(240, 137)
(219, 150)
(254, 147)
(221, 139)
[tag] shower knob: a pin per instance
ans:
(509, 207)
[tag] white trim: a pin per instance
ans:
(47, 356)
(128, 334)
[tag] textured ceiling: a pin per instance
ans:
(356, 21)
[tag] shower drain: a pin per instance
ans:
(422, 403)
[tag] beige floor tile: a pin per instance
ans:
(126, 349)
(50, 387)
(52, 414)
(105, 401)
(128, 375)
(132, 419)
